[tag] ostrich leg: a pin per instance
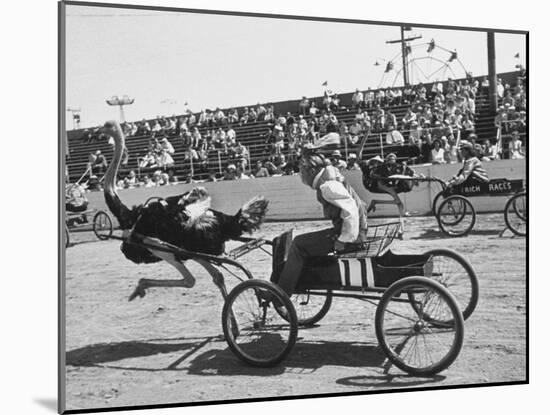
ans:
(217, 278)
(188, 280)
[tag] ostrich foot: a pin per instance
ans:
(138, 291)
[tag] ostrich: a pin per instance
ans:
(375, 179)
(185, 221)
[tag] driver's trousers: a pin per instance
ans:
(304, 246)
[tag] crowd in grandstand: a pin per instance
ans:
(436, 117)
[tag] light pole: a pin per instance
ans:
(76, 116)
(121, 102)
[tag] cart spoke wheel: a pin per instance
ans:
(253, 328)
(515, 214)
(456, 216)
(424, 339)
(456, 274)
(310, 308)
(103, 225)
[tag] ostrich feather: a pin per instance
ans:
(252, 214)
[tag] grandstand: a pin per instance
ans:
(252, 136)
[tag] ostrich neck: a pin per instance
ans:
(110, 175)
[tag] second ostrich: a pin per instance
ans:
(185, 221)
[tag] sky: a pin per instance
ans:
(166, 59)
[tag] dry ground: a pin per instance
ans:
(168, 347)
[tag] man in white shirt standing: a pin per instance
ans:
(357, 99)
(341, 205)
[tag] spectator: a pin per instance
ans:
(303, 106)
(336, 160)
(241, 156)
(271, 167)
(252, 115)
(97, 163)
(437, 153)
(241, 175)
(260, 112)
(515, 147)
(500, 88)
(192, 119)
(394, 137)
(172, 178)
(355, 132)
(357, 99)
(369, 98)
(147, 182)
(245, 116)
(327, 99)
(409, 117)
(313, 109)
(335, 104)
(509, 99)
(149, 160)
(489, 151)
(130, 181)
(269, 115)
(219, 117)
(380, 98)
(160, 178)
(260, 170)
(202, 119)
(165, 159)
(352, 162)
(156, 127)
(232, 116)
(231, 137)
(230, 172)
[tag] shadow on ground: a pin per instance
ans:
(389, 381)
(305, 357)
(437, 234)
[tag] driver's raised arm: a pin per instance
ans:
(335, 193)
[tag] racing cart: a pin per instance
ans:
(456, 215)
(99, 221)
(423, 300)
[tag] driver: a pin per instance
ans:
(341, 205)
(76, 201)
(472, 171)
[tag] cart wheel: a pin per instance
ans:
(456, 274)
(253, 329)
(436, 202)
(515, 214)
(310, 308)
(456, 216)
(103, 225)
(67, 237)
(408, 336)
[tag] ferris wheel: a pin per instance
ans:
(423, 62)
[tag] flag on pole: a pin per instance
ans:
(325, 83)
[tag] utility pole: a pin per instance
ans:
(493, 96)
(121, 102)
(404, 51)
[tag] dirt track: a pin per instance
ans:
(168, 347)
